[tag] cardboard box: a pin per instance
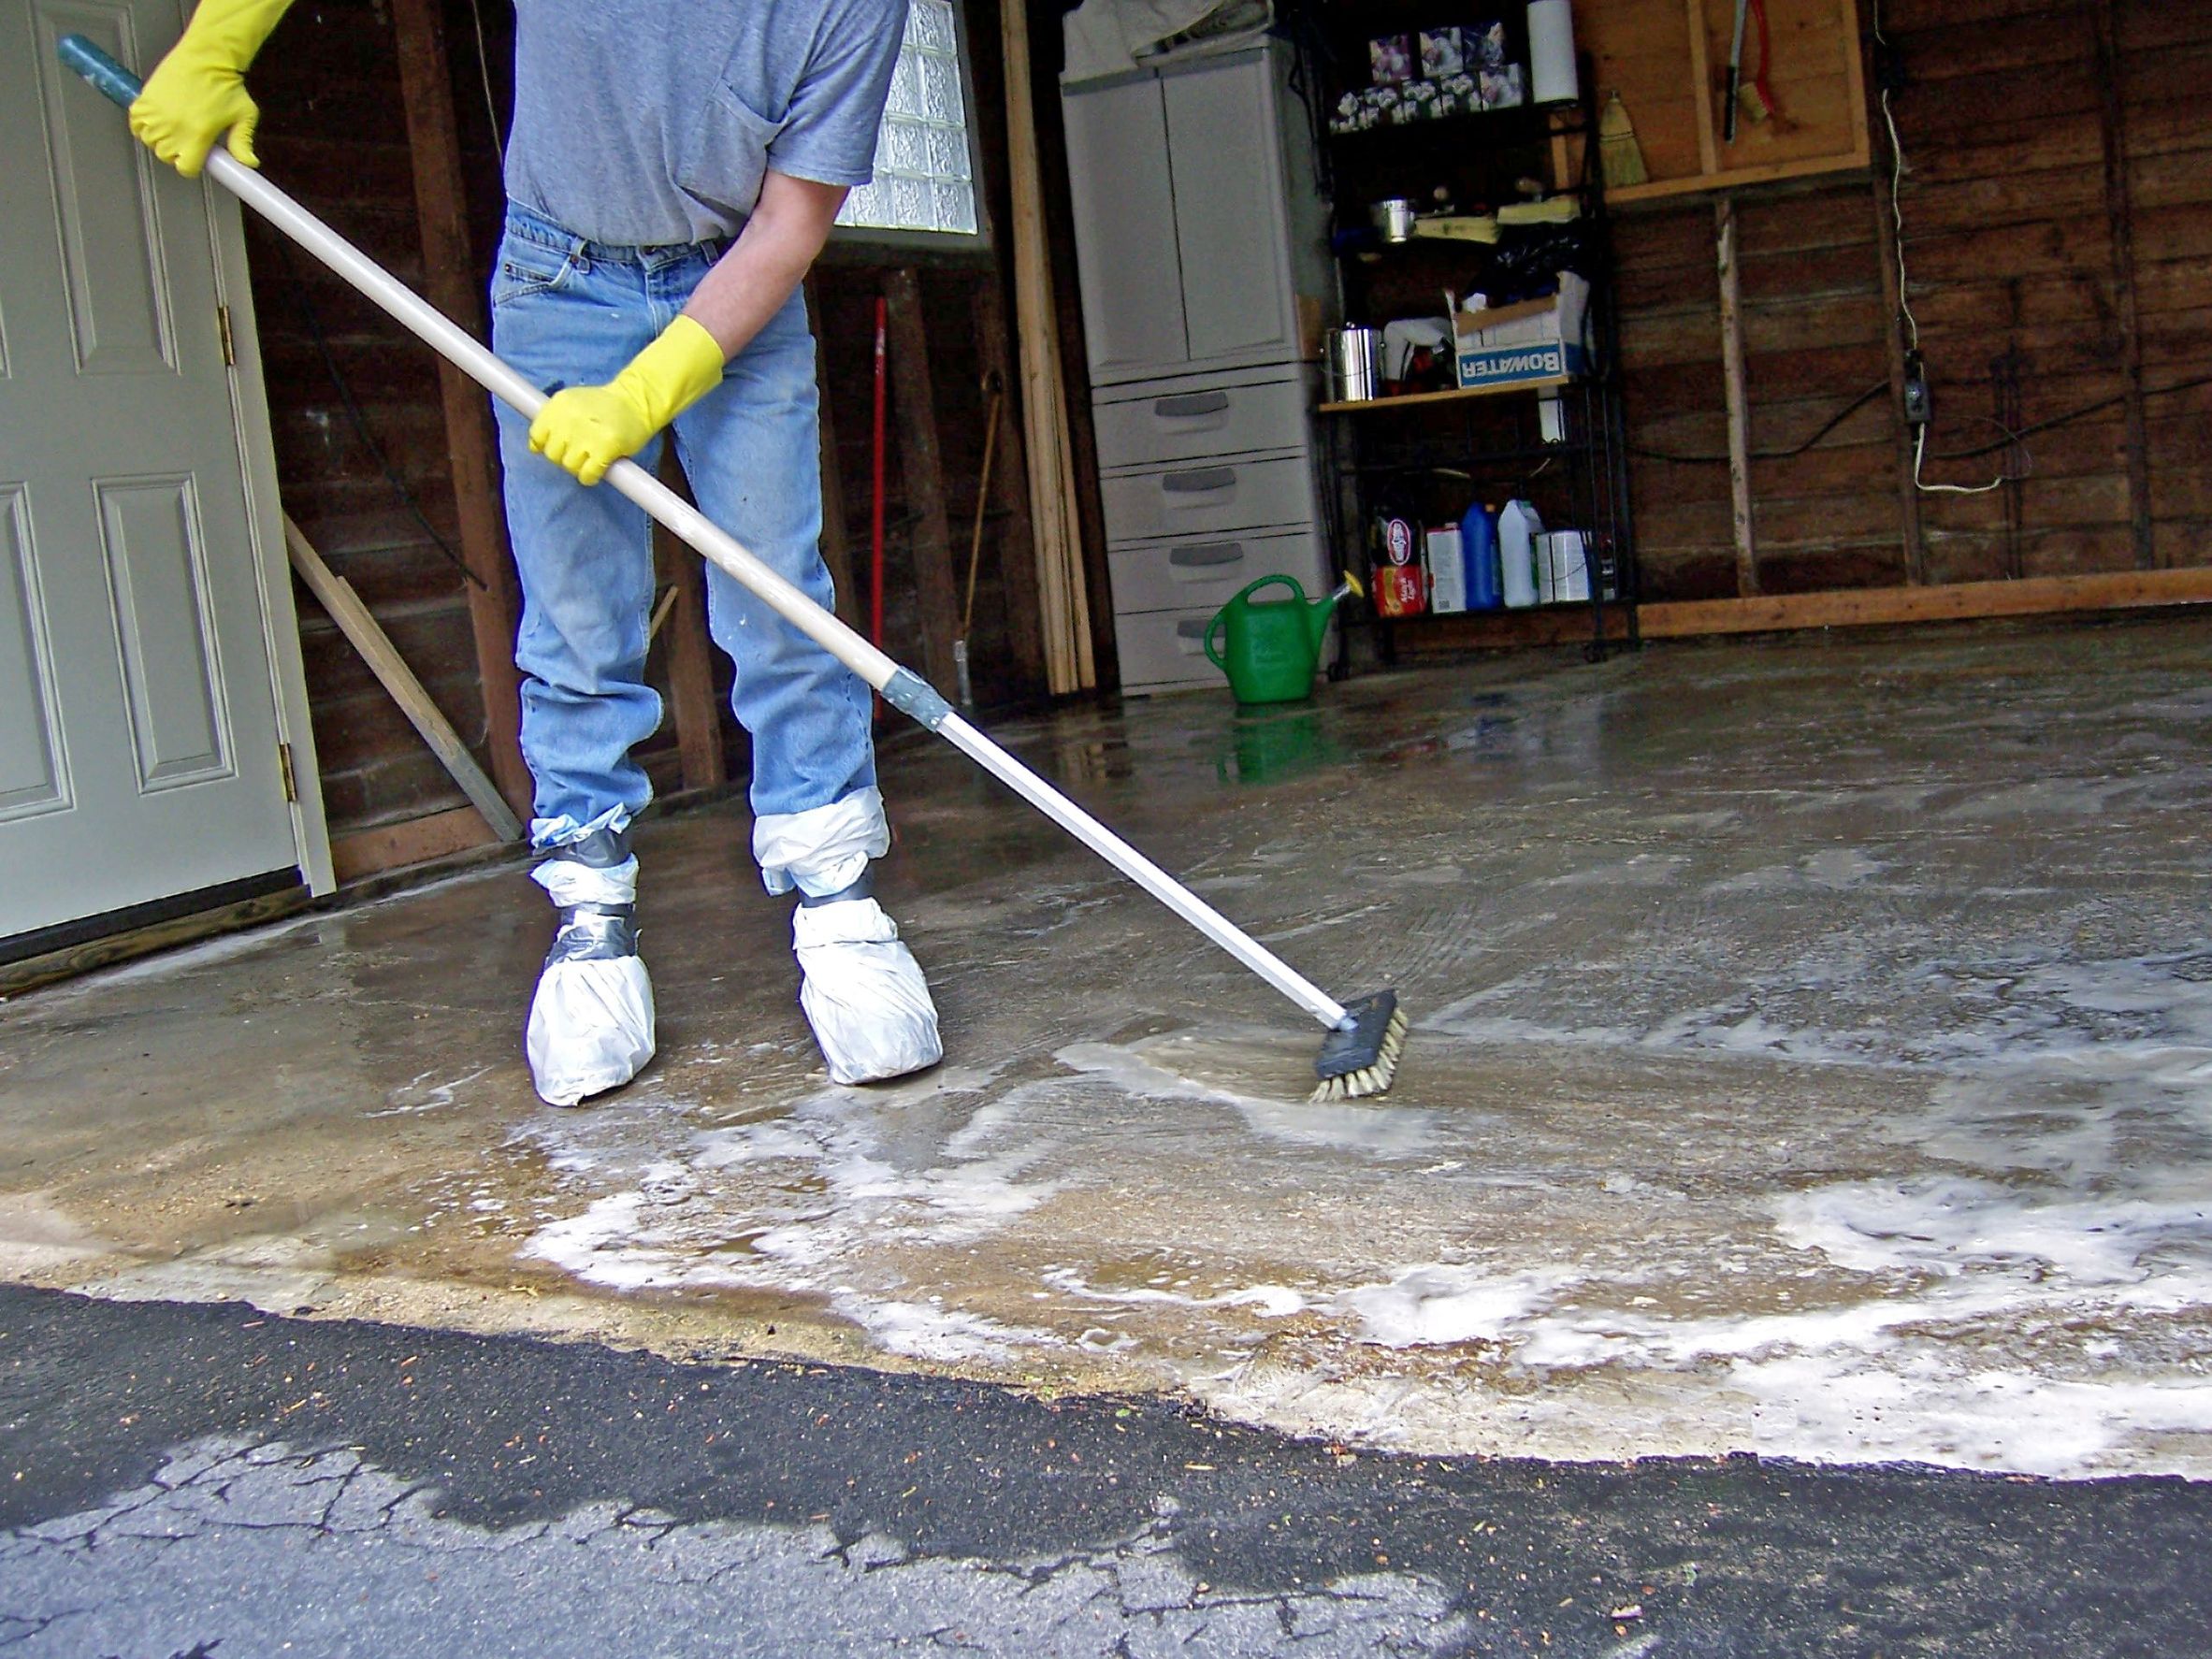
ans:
(1536, 339)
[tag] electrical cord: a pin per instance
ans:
(1905, 303)
(359, 423)
(2070, 416)
(484, 75)
(1790, 454)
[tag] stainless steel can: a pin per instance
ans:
(1394, 219)
(1354, 365)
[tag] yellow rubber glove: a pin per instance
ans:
(199, 90)
(589, 428)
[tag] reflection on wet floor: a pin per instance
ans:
(1813, 1054)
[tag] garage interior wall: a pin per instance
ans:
(2057, 229)
(2058, 216)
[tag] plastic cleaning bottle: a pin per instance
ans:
(1477, 550)
(1518, 527)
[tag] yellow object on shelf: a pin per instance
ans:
(1555, 209)
(1458, 227)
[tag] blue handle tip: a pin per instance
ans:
(108, 78)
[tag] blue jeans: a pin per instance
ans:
(573, 312)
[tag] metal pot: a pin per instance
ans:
(1354, 365)
(1394, 219)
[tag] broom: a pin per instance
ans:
(1360, 1054)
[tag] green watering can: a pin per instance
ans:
(1272, 649)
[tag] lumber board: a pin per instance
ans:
(1737, 397)
(1057, 514)
(691, 692)
(55, 966)
(921, 469)
(1947, 602)
(1503, 630)
(450, 283)
(836, 527)
(414, 841)
(360, 628)
(1009, 492)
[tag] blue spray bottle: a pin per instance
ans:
(1478, 546)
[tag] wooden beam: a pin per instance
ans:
(354, 621)
(1501, 630)
(836, 527)
(1066, 523)
(690, 659)
(1010, 491)
(453, 283)
(922, 467)
(2119, 218)
(110, 948)
(1701, 78)
(1955, 602)
(414, 841)
(1734, 391)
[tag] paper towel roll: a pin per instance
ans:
(1551, 53)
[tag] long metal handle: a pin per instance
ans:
(901, 687)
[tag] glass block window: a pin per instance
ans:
(925, 179)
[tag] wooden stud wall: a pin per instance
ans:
(334, 134)
(2058, 218)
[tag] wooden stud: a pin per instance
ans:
(394, 846)
(1503, 630)
(1736, 394)
(836, 528)
(1010, 491)
(921, 469)
(1863, 150)
(453, 285)
(361, 630)
(1701, 78)
(690, 658)
(1060, 513)
(2119, 218)
(1952, 602)
(109, 949)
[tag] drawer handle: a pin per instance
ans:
(1207, 481)
(1191, 405)
(1190, 636)
(1207, 558)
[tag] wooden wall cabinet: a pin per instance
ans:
(1669, 60)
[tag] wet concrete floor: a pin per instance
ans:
(1811, 1055)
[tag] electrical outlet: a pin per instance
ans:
(1920, 405)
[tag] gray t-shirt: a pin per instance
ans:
(652, 121)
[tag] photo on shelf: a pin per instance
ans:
(1502, 88)
(1487, 45)
(1443, 53)
(1390, 60)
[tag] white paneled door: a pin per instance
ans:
(139, 742)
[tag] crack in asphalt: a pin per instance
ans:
(488, 1496)
(222, 1513)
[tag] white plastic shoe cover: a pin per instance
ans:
(863, 992)
(591, 1021)
(824, 850)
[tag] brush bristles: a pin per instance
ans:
(1370, 1080)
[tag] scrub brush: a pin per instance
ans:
(1361, 1057)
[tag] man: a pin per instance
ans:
(673, 171)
